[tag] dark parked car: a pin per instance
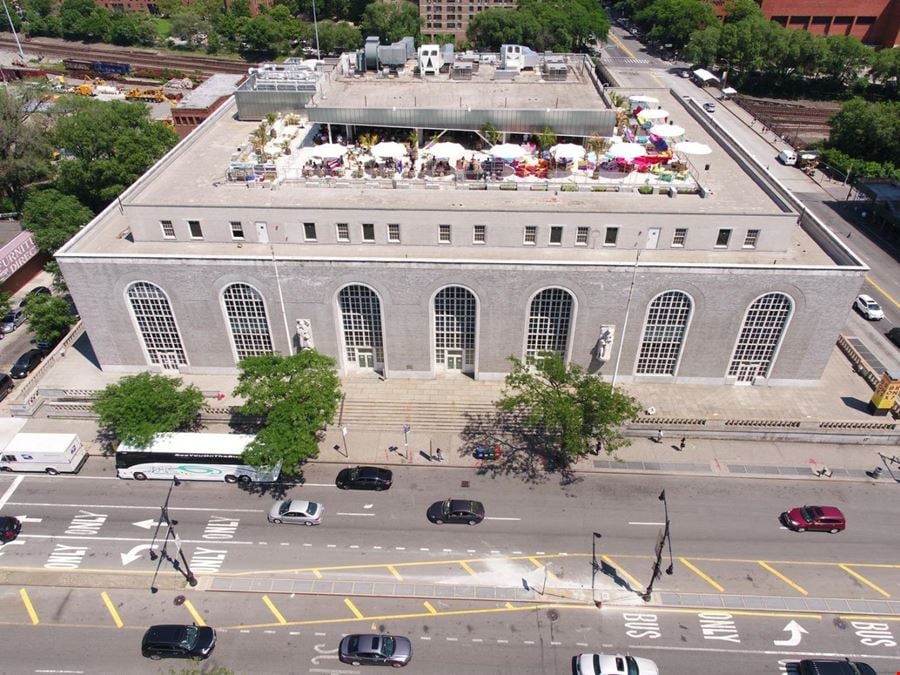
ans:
(834, 667)
(364, 478)
(456, 511)
(375, 650)
(39, 290)
(178, 642)
(894, 335)
(9, 528)
(814, 518)
(26, 363)
(6, 385)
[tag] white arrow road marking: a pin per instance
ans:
(9, 491)
(147, 524)
(796, 631)
(368, 506)
(26, 519)
(355, 514)
(135, 553)
(498, 518)
(638, 522)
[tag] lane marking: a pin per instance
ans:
(429, 607)
(636, 585)
(29, 607)
(361, 515)
(11, 489)
(112, 609)
(146, 540)
(352, 608)
(393, 570)
(778, 574)
(638, 522)
(499, 518)
(621, 45)
(272, 608)
(509, 605)
(701, 574)
(317, 574)
(129, 506)
(883, 292)
(198, 619)
(467, 568)
(860, 577)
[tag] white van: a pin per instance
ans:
(44, 453)
(787, 157)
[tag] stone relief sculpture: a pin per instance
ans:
(605, 342)
(304, 333)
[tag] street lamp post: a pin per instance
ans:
(164, 520)
(595, 566)
(666, 535)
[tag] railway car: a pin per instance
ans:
(111, 68)
(77, 64)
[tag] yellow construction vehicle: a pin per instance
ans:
(147, 95)
(87, 87)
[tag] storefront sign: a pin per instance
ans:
(15, 254)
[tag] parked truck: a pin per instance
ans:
(43, 453)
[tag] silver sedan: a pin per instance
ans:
(296, 512)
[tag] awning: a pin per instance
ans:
(705, 75)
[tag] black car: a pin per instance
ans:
(375, 650)
(364, 478)
(26, 363)
(456, 511)
(178, 642)
(6, 385)
(9, 528)
(894, 335)
(835, 667)
(39, 290)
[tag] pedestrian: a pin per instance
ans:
(440, 456)
(682, 444)
(659, 436)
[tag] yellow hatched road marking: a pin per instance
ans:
(112, 609)
(317, 574)
(778, 574)
(272, 608)
(621, 571)
(465, 566)
(29, 607)
(701, 574)
(430, 609)
(352, 608)
(854, 573)
(198, 619)
(509, 605)
(541, 566)
(393, 570)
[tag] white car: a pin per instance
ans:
(296, 512)
(614, 664)
(869, 308)
(709, 107)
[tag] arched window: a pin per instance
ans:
(156, 324)
(548, 323)
(455, 312)
(361, 321)
(246, 315)
(760, 336)
(664, 330)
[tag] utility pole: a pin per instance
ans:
(660, 544)
(595, 566)
(182, 565)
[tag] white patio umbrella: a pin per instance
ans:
(627, 150)
(329, 150)
(692, 148)
(653, 114)
(389, 149)
(508, 151)
(446, 150)
(567, 151)
(666, 130)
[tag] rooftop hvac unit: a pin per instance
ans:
(461, 71)
(371, 51)
(430, 60)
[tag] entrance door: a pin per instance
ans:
(365, 359)
(747, 373)
(262, 233)
(168, 360)
(652, 237)
(455, 359)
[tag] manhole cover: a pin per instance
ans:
(552, 614)
(464, 483)
(179, 600)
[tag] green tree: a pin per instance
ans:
(187, 26)
(107, 145)
(738, 10)
(5, 304)
(49, 317)
(564, 25)
(674, 21)
(334, 37)
(867, 130)
(844, 58)
(886, 67)
(296, 396)
(391, 21)
(53, 218)
(24, 145)
(703, 47)
(59, 282)
(138, 407)
(574, 409)
(132, 28)
(494, 27)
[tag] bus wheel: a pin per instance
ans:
(231, 479)
(51, 471)
(6, 468)
(139, 476)
(245, 480)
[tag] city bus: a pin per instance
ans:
(192, 456)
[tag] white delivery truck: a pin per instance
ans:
(44, 453)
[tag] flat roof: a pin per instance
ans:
(210, 91)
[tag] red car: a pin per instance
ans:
(9, 528)
(814, 518)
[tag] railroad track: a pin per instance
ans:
(146, 58)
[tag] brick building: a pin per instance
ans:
(451, 17)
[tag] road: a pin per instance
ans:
(283, 595)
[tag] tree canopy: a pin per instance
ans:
(24, 145)
(554, 25)
(296, 397)
(574, 409)
(53, 218)
(390, 21)
(138, 407)
(49, 317)
(867, 130)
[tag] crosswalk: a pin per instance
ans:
(624, 59)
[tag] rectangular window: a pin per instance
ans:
(196, 231)
(722, 239)
(751, 238)
(237, 229)
(343, 232)
(479, 234)
(556, 235)
(612, 233)
(309, 231)
(530, 235)
(368, 232)
(443, 234)
(168, 229)
(394, 233)
(581, 237)
(680, 236)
